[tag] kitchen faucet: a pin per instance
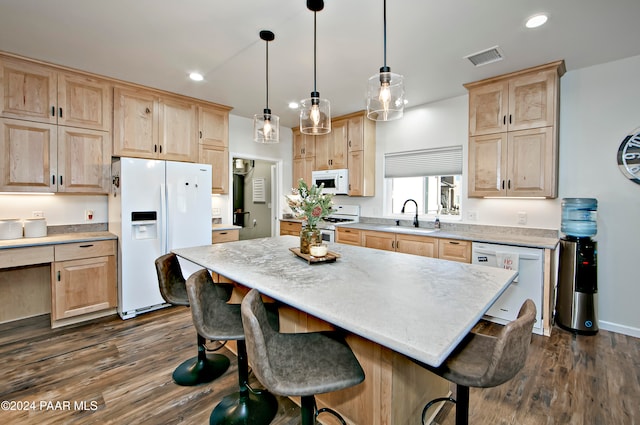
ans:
(415, 219)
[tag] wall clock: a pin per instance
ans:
(629, 156)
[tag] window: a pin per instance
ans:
(431, 177)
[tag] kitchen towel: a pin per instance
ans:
(508, 261)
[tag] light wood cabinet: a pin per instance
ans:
(148, 125)
(513, 133)
(331, 149)
(304, 156)
(213, 145)
(83, 279)
(425, 246)
(454, 250)
(33, 92)
(221, 236)
(348, 236)
(361, 145)
(290, 228)
(43, 157)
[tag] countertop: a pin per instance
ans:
(418, 306)
(505, 238)
(56, 239)
(220, 227)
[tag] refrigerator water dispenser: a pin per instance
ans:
(144, 225)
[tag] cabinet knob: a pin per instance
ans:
(147, 110)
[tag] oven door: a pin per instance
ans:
(327, 235)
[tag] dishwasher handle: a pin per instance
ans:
(520, 256)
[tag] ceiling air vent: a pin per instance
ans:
(484, 57)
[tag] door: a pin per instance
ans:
(141, 184)
(188, 208)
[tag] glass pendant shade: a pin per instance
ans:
(315, 115)
(385, 96)
(266, 127)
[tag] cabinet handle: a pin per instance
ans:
(393, 244)
(147, 110)
(349, 143)
(53, 179)
(60, 181)
(160, 148)
(503, 184)
(58, 276)
(223, 233)
(53, 111)
(201, 134)
(397, 244)
(509, 184)
(60, 112)
(155, 148)
(86, 246)
(510, 118)
(454, 243)
(504, 120)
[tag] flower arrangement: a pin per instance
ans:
(310, 204)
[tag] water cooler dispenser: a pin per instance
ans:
(576, 299)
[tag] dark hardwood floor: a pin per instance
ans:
(120, 371)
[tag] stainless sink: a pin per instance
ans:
(406, 229)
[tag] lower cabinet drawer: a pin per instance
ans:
(219, 236)
(349, 236)
(72, 251)
(16, 257)
(454, 250)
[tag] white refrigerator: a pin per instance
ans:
(155, 206)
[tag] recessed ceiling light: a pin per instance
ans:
(294, 105)
(195, 76)
(536, 20)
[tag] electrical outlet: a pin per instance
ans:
(88, 215)
(522, 217)
(37, 214)
(472, 215)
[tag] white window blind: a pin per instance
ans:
(427, 162)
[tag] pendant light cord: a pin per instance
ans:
(314, 52)
(384, 18)
(267, 73)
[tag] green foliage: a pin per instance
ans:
(310, 204)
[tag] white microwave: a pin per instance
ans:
(335, 181)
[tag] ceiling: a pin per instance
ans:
(158, 43)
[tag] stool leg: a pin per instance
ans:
(308, 410)
(203, 368)
(462, 405)
(245, 406)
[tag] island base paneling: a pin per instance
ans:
(395, 388)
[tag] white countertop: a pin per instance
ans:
(56, 239)
(504, 238)
(418, 306)
(220, 227)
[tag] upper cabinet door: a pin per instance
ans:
(135, 129)
(27, 91)
(488, 106)
(84, 102)
(488, 165)
(532, 101)
(213, 127)
(84, 160)
(28, 156)
(178, 134)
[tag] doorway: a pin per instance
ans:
(254, 200)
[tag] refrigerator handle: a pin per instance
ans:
(164, 231)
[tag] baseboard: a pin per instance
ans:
(621, 329)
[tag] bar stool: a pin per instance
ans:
(219, 321)
(205, 367)
(298, 364)
(483, 361)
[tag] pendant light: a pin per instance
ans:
(266, 126)
(385, 90)
(315, 113)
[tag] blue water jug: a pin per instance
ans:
(579, 217)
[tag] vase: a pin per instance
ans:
(308, 237)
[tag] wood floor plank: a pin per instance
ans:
(121, 372)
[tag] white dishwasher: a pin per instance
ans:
(528, 262)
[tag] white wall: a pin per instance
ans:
(57, 209)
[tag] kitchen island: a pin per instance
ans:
(394, 306)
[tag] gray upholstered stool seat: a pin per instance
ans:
(297, 364)
(205, 367)
(483, 361)
(215, 319)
